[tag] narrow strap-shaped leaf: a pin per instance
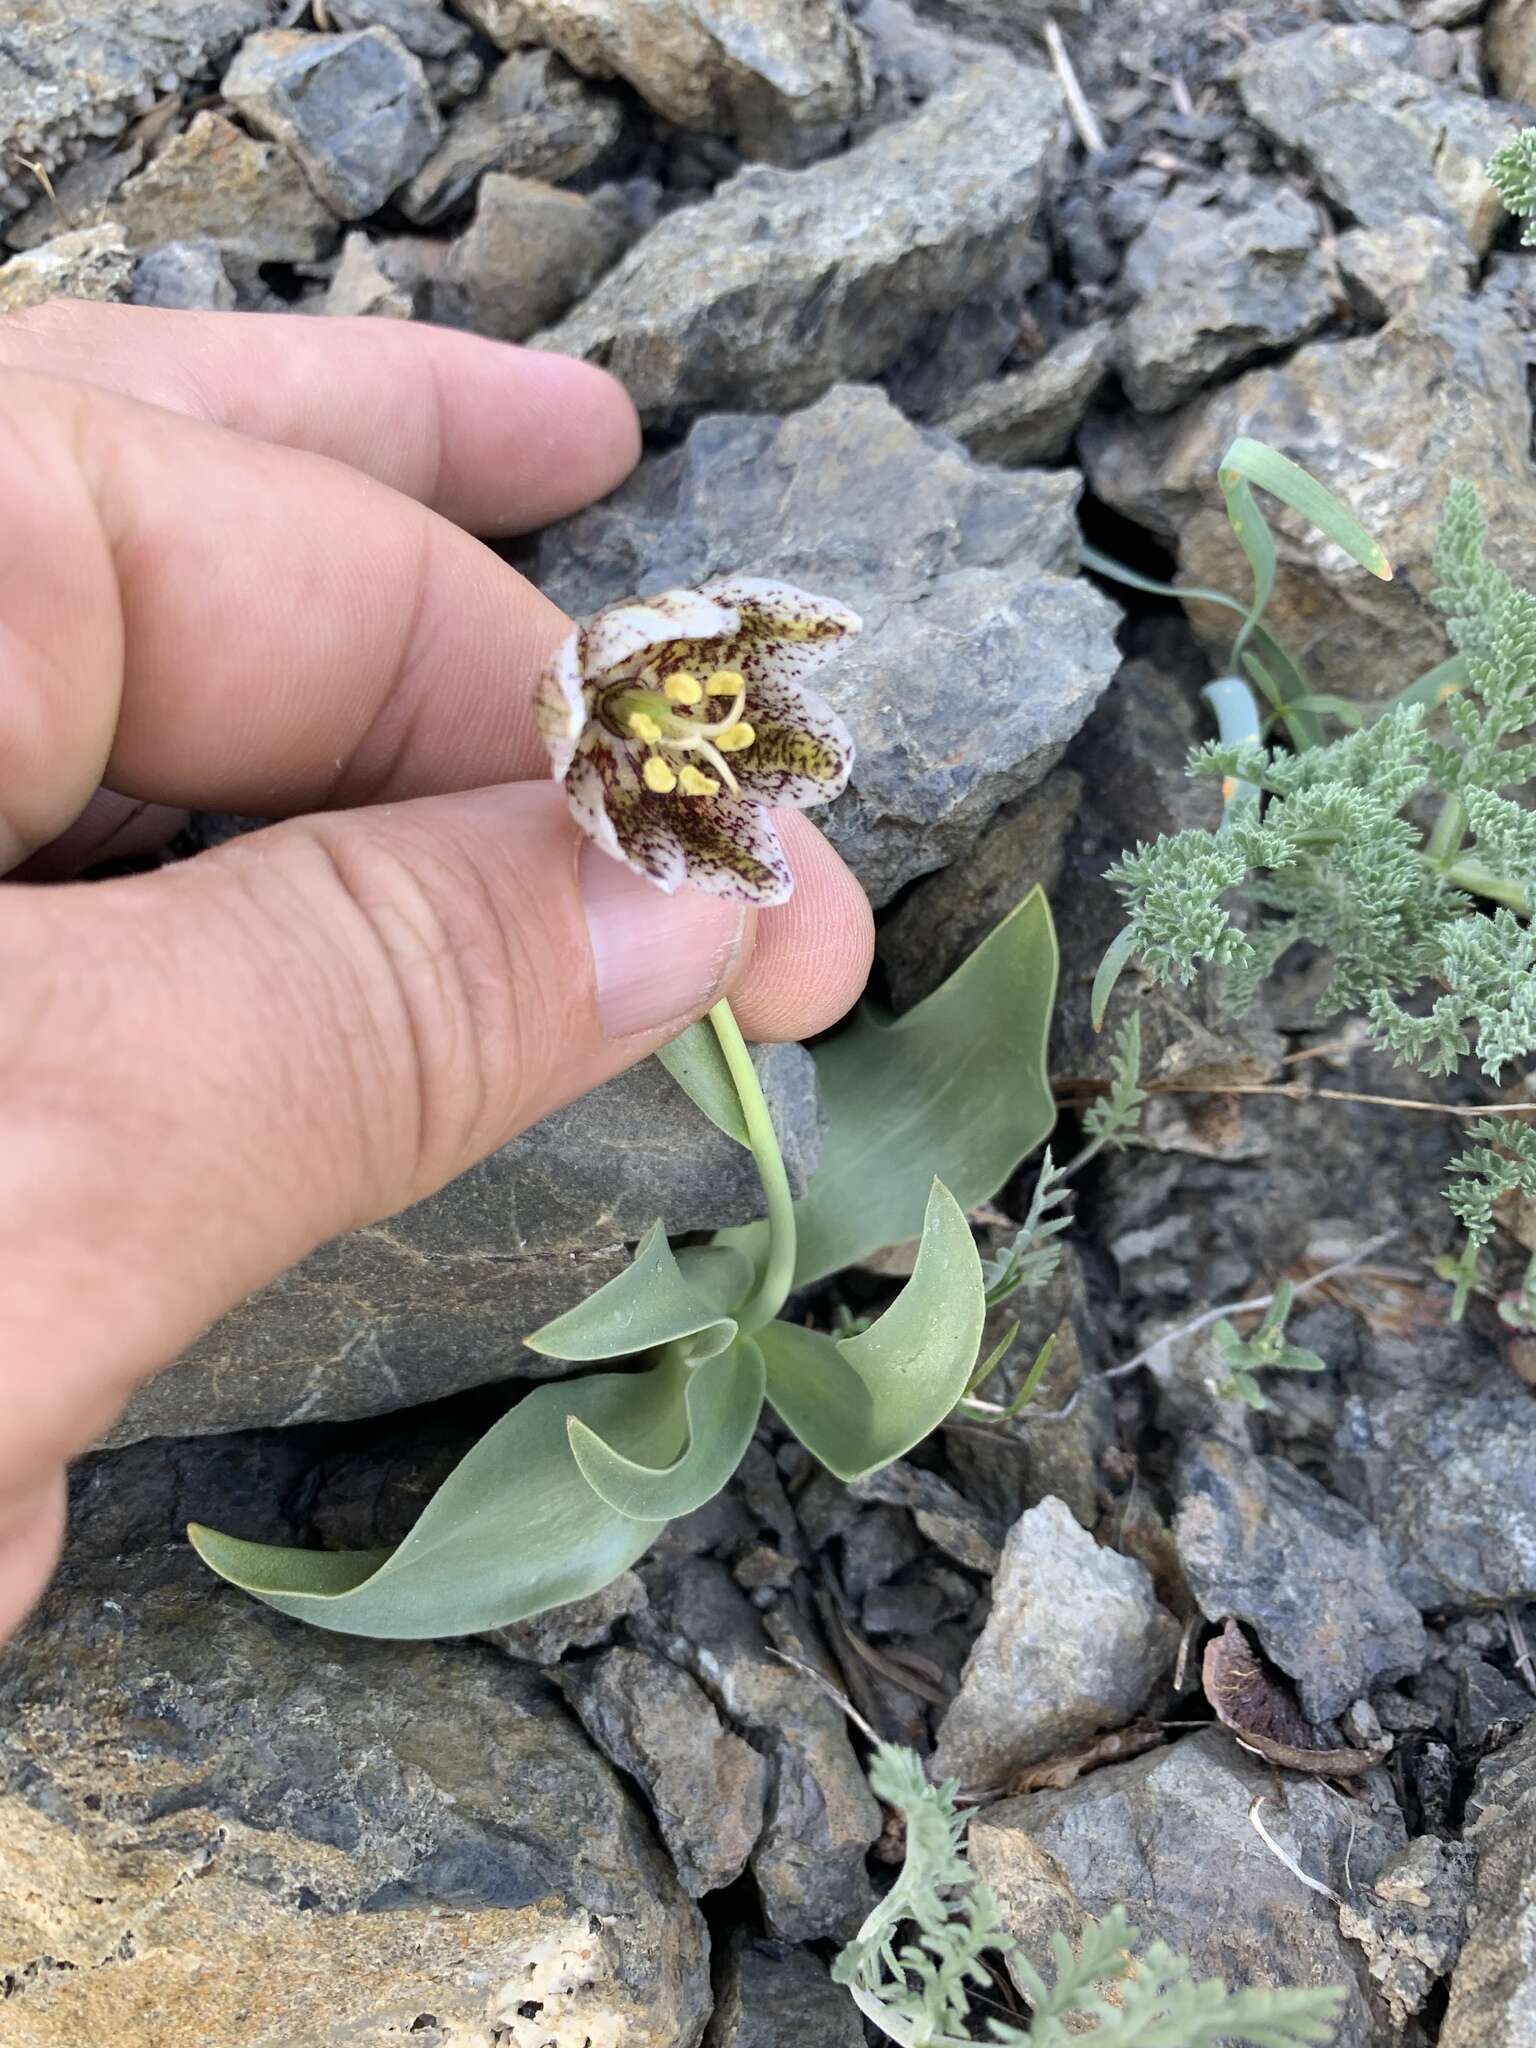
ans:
(1119, 953)
(716, 1404)
(697, 1065)
(1237, 719)
(860, 1402)
(1446, 679)
(1257, 543)
(1255, 462)
(1117, 572)
(512, 1530)
(650, 1303)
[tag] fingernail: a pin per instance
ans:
(658, 958)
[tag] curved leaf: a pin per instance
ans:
(718, 1274)
(697, 1065)
(650, 1303)
(956, 1087)
(1231, 703)
(1258, 463)
(716, 1404)
(512, 1530)
(1117, 956)
(860, 1402)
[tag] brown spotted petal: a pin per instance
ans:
(560, 703)
(801, 754)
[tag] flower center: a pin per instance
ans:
(673, 719)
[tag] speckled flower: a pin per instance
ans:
(677, 723)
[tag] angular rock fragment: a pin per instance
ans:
(203, 1804)
(1074, 1643)
(1509, 45)
(1383, 140)
(86, 263)
(981, 652)
(577, 1625)
(1031, 415)
(535, 119)
(780, 76)
(530, 251)
(771, 1996)
(1169, 1837)
(705, 1785)
(184, 277)
(426, 27)
(440, 1297)
(362, 285)
(1451, 1485)
(821, 1816)
(1260, 1540)
(77, 71)
(1493, 1990)
(355, 110)
(215, 183)
(1214, 290)
(1411, 1920)
(782, 282)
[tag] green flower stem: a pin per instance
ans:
(1445, 840)
(772, 1290)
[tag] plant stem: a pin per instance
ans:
(772, 1290)
(1478, 880)
(1445, 840)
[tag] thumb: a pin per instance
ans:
(212, 1069)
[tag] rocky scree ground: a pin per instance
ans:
(900, 324)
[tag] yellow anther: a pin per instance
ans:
(659, 776)
(736, 739)
(644, 727)
(683, 688)
(694, 782)
(725, 682)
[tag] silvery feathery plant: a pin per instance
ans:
(677, 724)
(918, 1964)
(1426, 931)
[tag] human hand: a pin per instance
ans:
(233, 575)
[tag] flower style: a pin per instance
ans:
(677, 722)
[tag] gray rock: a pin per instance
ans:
(1493, 1991)
(1383, 141)
(981, 652)
(780, 76)
(438, 1299)
(705, 1785)
(184, 277)
(530, 251)
(1489, 1706)
(215, 183)
(1411, 1921)
(1415, 259)
(1214, 290)
(1168, 1836)
(943, 920)
(1509, 45)
(355, 110)
(73, 72)
(783, 282)
(1367, 417)
(86, 263)
(1074, 1643)
(1032, 415)
(365, 1836)
(1261, 1541)
(1451, 1485)
(579, 1625)
(770, 1996)
(950, 1522)
(878, 1545)
(535, 119)
(821, 1816)
(424, 26)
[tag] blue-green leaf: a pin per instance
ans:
(513, 1529)
(1237, 718)
(957, 1088)
(1120, 951)
(1255, 462)
(698, 1066)
(652, 1302)
(715, 1406)
(860, 1402)
(1446, 679)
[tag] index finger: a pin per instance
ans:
(497, 438)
